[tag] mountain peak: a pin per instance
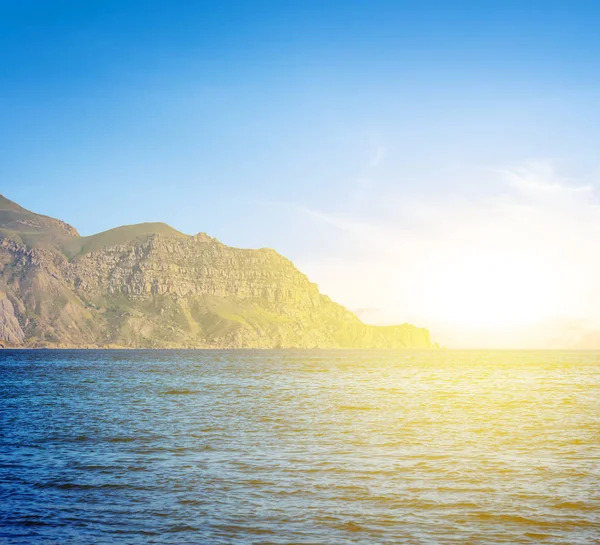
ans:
(7, 204)
(126, 234)
(18, 219)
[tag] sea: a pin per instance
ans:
(299, 447)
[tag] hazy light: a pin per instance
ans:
(513, 269)
(492, 289)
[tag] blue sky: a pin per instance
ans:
(266, 123)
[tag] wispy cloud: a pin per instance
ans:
(378, 155)
(541, 176)
(367, 177)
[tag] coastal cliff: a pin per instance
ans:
(150, 286)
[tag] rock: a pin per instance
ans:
(10, 329)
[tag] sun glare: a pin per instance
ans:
(491, 290)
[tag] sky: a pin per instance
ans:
(431, 162)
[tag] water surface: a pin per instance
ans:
(293, 447)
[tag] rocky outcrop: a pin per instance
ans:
(10, 329)
(150, 286)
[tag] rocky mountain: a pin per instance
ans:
(150, 286)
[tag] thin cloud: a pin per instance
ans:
(540, 176)
(379, 154)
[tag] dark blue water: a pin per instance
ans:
(239, 447)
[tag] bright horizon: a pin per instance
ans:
(421, 163)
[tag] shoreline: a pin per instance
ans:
(215, 349)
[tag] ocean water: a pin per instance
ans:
(292, 447)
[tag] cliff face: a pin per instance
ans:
(149, 286)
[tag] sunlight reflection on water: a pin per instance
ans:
(300, 447)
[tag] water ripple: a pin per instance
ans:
(280, 447)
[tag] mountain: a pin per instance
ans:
(150, 286)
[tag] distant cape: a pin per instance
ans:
(150, 286)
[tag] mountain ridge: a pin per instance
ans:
(149, 286)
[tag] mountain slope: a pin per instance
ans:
(150, 286)
(18, 221)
